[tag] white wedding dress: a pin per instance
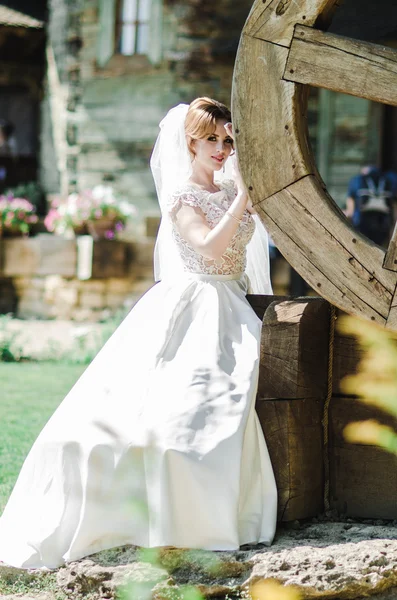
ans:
(158, 443)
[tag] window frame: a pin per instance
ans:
(120, 23)
(107, 41)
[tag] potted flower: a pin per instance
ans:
(108, 215)
(97, 212)
(68, 217)
(16, 216)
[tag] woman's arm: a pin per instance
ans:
(210, 243)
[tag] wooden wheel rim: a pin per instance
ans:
(281, 52)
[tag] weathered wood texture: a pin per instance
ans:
(41, 255)
(390, 261)
(110, 258)
(274, 20)
(275, 160)
(48, 254)
(392, 318)
(291, 392)
(363, 479)
(268, 120)
(317, 241)
(346, 357)
(343, 65)
(261, 303)
(294, 349)
(293, 433)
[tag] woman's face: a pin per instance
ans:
(212, 151)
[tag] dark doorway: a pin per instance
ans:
(22, 71)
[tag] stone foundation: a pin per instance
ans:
(48, 277)
(56, 297)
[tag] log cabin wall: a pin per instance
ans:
(112, 103)
(104, 106)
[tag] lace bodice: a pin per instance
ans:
(214, 206)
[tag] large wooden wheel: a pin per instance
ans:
(282, 51)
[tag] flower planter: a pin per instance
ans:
(80, 230)
(12, 232)
(100, 228)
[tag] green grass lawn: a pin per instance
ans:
(29, 394)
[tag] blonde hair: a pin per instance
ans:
(201, 118)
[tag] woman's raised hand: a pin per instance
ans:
(235, 170)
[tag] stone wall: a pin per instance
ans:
(50, 277)
(111, 124)
(56, 297)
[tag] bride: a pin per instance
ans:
(158, 442)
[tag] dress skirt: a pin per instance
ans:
(158, 442)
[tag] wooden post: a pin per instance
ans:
(291, 393)
(363, 479)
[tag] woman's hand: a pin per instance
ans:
(241, 188)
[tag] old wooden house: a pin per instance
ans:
(84, 84)
(109, 70)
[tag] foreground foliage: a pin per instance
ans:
(375, 383)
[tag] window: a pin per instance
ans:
(132, 28)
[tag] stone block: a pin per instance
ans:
(115, 300)
(21, 282)
(67, 295)
(93, 286)
(36, 309)
(119, 286)
(31, 294)
(92, 300)
(81, 314)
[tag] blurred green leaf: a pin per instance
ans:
(375, 383)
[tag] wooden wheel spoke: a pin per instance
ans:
(274, 20)
(343, 65)
(390, 261)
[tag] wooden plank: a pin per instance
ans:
(268, 117)
(48, 254)
(44, 254)
(110, 258)
(57, 255)
(319, 243)
(363, 479)
(20, 257)
(293, 434)
(346, 357)
(294, 349)
(391, 322)
(343, 65)
(390, 261)
(274, 20)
